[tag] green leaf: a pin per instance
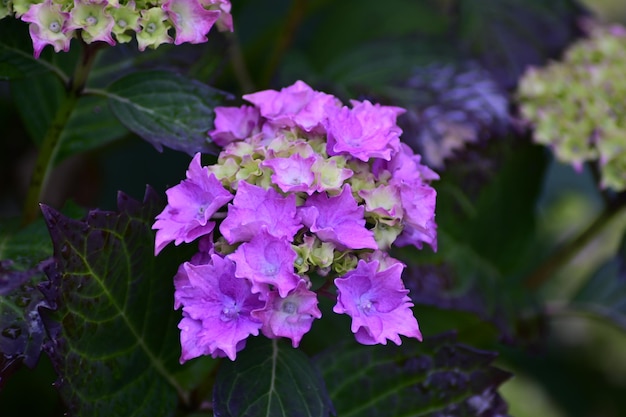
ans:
(91, 125)
(270, 379)
(36, 99)
(604, 294)
(435, 378)
(166, 109)
(114, 340)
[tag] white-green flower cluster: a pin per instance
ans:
(577, 106)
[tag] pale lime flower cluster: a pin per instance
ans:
(152, 22)
(577, 106)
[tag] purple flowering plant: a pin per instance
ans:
(288, 235)
(319, 179)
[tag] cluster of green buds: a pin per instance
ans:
(576, 106)
(57, 22)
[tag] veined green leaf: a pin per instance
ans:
(270, 380)
(166, 109)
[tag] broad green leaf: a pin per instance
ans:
(24, 254)
(166, 109)
(91, 125)
(114, 340)
(270, 379)
(435, 378)
(36, 99)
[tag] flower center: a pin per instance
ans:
(366, 306)
(151, 27)
(54, 27)
(229, 312)
(91, 20)
(288, 307)
(122, 23)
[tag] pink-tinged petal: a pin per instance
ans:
(267, 260)
(296, 105)
(416, 237)
(293, 174)
(378, 303)
(216, 309)
(255, 208)
(94, 21)
(190, 207)
(191, 21)
(290, 316)
(225, 21)
(48, 26)
(235, 123)
(418, 202)
(155, 25)
(384, 201)
(405, 166)
(365, 131)
(329, 176)
(337, 219)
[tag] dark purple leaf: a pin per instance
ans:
(113, 338)
(436, 378)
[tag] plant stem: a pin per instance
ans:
(52, 140)
(568, 251)
(239, 64)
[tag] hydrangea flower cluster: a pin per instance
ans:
(305, 199)
(576, 105)
(56, 22)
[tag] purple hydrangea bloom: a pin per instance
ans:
(190, 207)
(290, 316)
(234, 123)
(296, 105)
(191, 21)
(338, 219)
(365, 131)
(216, 309)
(254, 208)
(267, 260)
(293, 174)
(378, 303)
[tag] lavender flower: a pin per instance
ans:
(377, 302)
(190, 206)
(216, 309)
(321, 191)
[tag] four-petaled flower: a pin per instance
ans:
(290, 316)
(267, 260)
(216, 309)
(254, 208)
(378, 303)
(190, 207)
(338, 219)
